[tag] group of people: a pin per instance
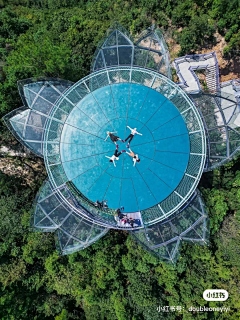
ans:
(120, 217)
(116, 154)
(123, 218)
(101, 205)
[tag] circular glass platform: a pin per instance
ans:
(171, 144)
(162, 147)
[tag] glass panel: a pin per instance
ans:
(38, 215)
(218, 149)
(164, 65)
(81, 90)
(18, 127)
(21, 117)
(66, 106)
(42, 106)
(46, 223)
(217, 135)
(59, 214)
(190, 215)
(153, 60)
(58, 174)
(74, 97)
(49, 93)
(34, 86)
(191, 120)
(191, 235)
(185, 185)
(233, 146)
(140, 235)
(35, 146)
(99, 64)
(179, 101)
(63, 238)
(30, 96)
(111, 41)
(50, 203)
(98, 81)
(110, 56)
(37, 120)
(207, 105)
(125, 56)
(146, 42)
(155, 44)
(122, 40)
(233, 135)
(138, 76)
(33, 133)
(194, 164)
(159, 36)
(61, 85)
(196, 142)
(71, 224)
(83, 231)
(95, 233)
(163, 252)
(60, 115)
(212, 120)
(167, 231)
(154, 236)
(214, 162)
(46, 191)
(172, 248)
(140, 57)
(53, 149)
(180, 223)
(72, 246)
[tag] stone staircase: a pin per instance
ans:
(186, 67)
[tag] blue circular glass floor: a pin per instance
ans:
(163, 147)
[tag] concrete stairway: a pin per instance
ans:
(187, 65)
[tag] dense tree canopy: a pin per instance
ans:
(115, 279)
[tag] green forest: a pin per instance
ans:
(115, 279)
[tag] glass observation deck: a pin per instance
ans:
(180, 134)
(170, 144)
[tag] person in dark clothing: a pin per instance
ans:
(131, 222)
(98, 204)
(104, 204)
(101, 205)
(113, 138)
(132, 134)
(115, 156)
(120, 214)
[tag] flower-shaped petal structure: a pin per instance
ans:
(28, 122)
(51, 213)
(177, 131)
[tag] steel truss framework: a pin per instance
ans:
(211, 120)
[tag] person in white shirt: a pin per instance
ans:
(115, 156)
(132, 134)
(134, 156)
(113, 137)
